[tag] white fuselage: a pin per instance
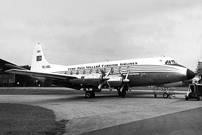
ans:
(148, 71)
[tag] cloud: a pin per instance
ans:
(92, 30)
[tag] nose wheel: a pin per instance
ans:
(163, 91)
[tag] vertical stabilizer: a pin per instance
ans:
(39, 62)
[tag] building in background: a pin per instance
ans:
(7, 79)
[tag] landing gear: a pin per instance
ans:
(165, 95)
(199, 98)
(123, 94)
(119, 93)
(122, 91)
(186, 98)
(90, 94)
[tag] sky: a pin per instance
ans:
(86, 31)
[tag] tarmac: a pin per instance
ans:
(138, 113)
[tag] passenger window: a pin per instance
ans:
(105, 70)
(90, 71)
(119, 70)
(128, 68)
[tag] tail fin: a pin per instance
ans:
(39, 62)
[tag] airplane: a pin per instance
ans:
(165, 88)
(120, 75)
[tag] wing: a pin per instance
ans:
(41, 75)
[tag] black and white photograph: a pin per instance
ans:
(100, 67)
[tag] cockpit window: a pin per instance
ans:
(170, 62)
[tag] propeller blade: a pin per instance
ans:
(102, 72)
(122, 87)
(100, 86)
(105, 77)
(109, 86)
(109, 72)
(127, 75)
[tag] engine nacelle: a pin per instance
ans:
(115, 81)
(88, 79)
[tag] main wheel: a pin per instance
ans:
(165, 95)
(92, 94)
(119, 93)
(88, 94)
(186, 98)
(123, 94)
(199, 98)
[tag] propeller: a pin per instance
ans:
(105, 77)
(125, 81)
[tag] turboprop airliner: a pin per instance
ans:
(120, 75)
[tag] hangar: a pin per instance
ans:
(8, 79)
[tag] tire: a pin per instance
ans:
(199, 98)
(186, 98)
(123, 94)
(92, 94)
(119, 94)
(88, 94)
(165, 95)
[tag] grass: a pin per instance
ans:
(18, 119)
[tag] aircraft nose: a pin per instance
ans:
(190, 74)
